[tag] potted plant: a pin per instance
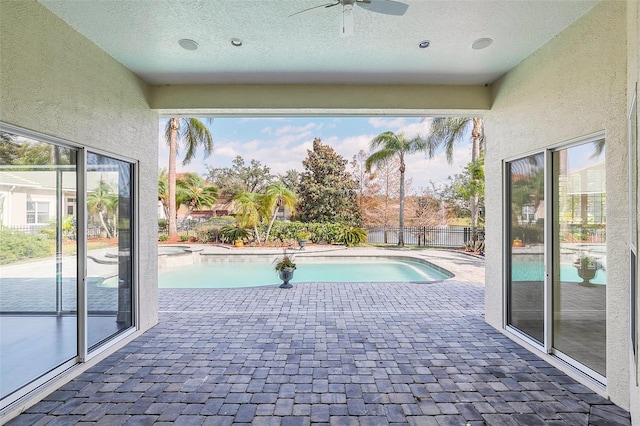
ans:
(285, 265)
(587, 267)
(303, 237)
(234, 234)
(517, 242)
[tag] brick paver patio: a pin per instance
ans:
(339, 354)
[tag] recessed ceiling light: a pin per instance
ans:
(236, 42)
(188, 44)
(481, 43)
(424, 44)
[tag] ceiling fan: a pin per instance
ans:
(387, 7)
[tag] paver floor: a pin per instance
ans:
(339, 354)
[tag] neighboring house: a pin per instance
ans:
(28, 198)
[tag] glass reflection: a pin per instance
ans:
(526, 231)
(109, 273)
(579, 282)
(38, 252)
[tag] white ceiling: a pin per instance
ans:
(307, 48)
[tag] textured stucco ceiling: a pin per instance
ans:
(307, 48)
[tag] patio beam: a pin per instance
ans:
(295, 99)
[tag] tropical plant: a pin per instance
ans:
(389, 145)
(250, 210)
(103, 201)
(352, 236)
(444, 134)
(275, 196)
(163, 191)
(193, 134)
(231, 233)
(194, 193)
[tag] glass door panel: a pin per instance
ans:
(579, 254)
(109, 242)
(525, 281)
(38, 252)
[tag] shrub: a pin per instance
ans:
(163, 237)
(19, 246)
(184, 237)
(529, 234)
(231, 233)
(207, 234)
(352, 236)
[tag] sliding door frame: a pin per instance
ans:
(550, 268)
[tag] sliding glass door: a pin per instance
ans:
(526, 281)
(38, 279)
(109, 274)
(556, 268)
(579, 255)
(57, 202)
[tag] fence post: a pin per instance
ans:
(467, 234)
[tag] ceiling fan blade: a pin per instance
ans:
(346, 22)
(387, 7)
(316, 7)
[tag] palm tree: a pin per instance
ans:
(194, 193)
(193, 133)
(445, 133)
(275, 196)
(388, 145)
(249, 207)
(163, 191)
(103, 201)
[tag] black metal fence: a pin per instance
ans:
(427, 236)
(93, 231)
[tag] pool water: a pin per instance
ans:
(252, 274)
(530, 271)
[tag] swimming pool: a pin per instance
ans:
(531, 271)
(260, 272)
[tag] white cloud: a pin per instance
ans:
(388, 123)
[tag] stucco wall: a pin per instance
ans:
(573, 86)
(633, 76)
(54, 81)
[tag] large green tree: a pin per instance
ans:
(388, 145)
(445, 133)
(254, 177)
(327, 190)
(192, 134)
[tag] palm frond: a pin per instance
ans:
(196, 134)
(445, 133)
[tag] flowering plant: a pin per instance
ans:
(284, 261)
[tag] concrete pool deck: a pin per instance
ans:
(339, 354)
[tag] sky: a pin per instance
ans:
(281, 143)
